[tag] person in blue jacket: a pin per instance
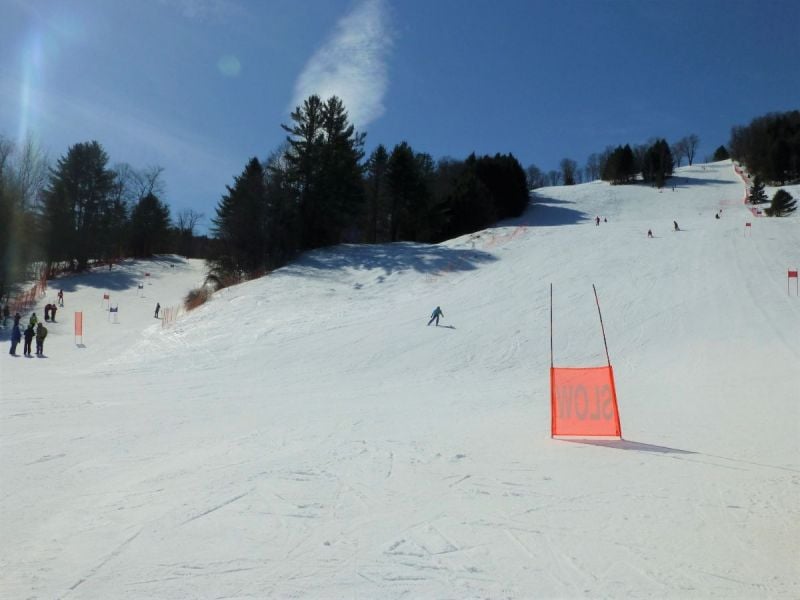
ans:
(16, 336)
(437, 312)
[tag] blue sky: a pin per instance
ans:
(199, 86)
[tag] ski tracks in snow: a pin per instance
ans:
(94, 570)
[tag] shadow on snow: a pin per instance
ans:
(391, 258)
(544, 211)
(629, 445)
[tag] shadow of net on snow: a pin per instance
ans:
(629, 445)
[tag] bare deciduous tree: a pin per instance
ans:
(568, 170)
(592, 169)
(535, 177)
(691, 147)
(6, 150)
(188, 219)
(131, 185)
(150, 182)
(679, 149)
(25, 169)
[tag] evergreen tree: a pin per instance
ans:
(283, 225)
(240, 220)
(303, 161)
(782, 204)
(470, 202)
(376, 194)
(76, 205)
(720, 154)
(769, 146)
(504, 178)
(150, 230)
(407, 193)
(341, 181)
(445, 179)
(757, 193)
(657, 163)
(323, 159)
(620, 166)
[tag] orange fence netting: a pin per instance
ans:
(584, 402)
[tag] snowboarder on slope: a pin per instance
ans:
(649, 233)
(437, 312)
(158, 308)
(597, 221)
(675, 223)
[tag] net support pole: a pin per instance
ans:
(551, 325)
(602, 327)
(552, 369)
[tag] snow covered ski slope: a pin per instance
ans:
(307, 435)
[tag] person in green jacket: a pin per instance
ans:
(41, 333)
(437, 312)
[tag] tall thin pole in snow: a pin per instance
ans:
(602, 327)
(551, 325)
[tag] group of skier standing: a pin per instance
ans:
(35, 329)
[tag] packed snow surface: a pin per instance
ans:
(307, 435)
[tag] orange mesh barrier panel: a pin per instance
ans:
(79, 324)
(584, 402)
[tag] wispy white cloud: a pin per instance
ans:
(351, 64)
(203, 10)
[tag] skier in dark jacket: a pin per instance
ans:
(53, 309)
(437, 312)
(16, 336)
(158, 308)
(28, 335)
(675, 223)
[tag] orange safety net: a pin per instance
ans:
(79, 324)
(584, 402)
